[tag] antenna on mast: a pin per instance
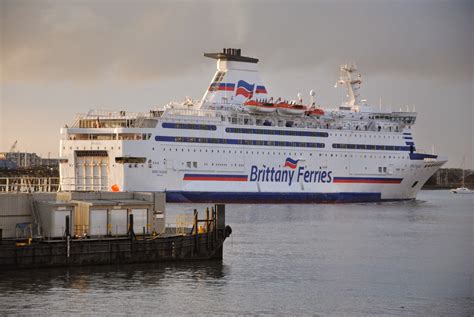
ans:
(299, 97)
(352, 84)
(312, 93)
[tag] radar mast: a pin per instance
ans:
(352, 82)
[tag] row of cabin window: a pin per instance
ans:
(238, 142)
(191, 126)
(277, 132)
(371, 147)
(209, 127)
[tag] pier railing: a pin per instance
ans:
(29, 184)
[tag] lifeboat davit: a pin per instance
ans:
(259, 107)
(315, 112)
(290, 109)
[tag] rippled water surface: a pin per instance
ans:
(408, 258)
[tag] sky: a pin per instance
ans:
(59, 58)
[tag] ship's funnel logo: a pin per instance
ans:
(245, 89)
(260, 90)
(222, 86)
(291, 163)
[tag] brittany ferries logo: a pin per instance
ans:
(291, 163)
(291, 175)
(245, 89)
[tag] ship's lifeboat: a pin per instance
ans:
(255, 106)
(290, 109)
(315, 112)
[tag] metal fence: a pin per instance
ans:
(29, 184)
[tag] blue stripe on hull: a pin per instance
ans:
(275, 197)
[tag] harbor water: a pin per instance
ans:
(401, 258)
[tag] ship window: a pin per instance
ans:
(123, 160)
(169, 125)
(277, 132)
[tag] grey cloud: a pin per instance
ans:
(55, 40)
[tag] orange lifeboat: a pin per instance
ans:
(255, 106)
(315, 112)
(290, 109)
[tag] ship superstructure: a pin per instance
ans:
(241, 144)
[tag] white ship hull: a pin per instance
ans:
(195, 172)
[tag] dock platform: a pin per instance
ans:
(99, 229)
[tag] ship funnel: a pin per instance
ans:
(236, 80)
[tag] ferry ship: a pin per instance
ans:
(241, 144)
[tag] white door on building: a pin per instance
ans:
(118, 222)
(58, 225)
(139, 220)
(98, 222)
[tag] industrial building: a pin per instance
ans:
(93, 214)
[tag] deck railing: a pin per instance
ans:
(29, 184)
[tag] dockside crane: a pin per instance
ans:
(13, 147)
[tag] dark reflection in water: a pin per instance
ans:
(123, 276)
(404, 258)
